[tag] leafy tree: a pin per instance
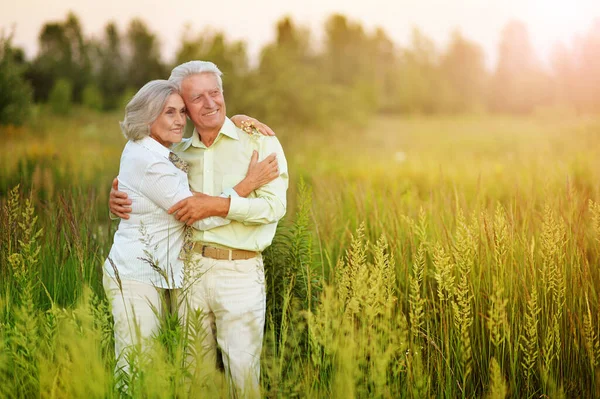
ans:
(289, 88)
(144, 62)
(80, 60)
(348, 61)
(422, 88)
(383, 56)
(15, 92)
(63, 53)
(125, 97)
(53, 58)
(61, 97)
(92, 97)
(111, 78)
(231, 58)
(462, 66)
(346, 44)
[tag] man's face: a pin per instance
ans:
(204, 101)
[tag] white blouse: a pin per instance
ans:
(146, 246)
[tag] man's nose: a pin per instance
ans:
(209, 102)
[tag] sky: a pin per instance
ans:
(549, 21)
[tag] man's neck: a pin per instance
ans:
(208, 137)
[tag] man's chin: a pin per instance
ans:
(212, 123)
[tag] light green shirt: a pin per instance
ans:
(224, 164)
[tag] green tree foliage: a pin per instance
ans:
(15, 92)
(144, 63)
(231, 59)
(111, 71)
(422, 87)
(61, 97)
(519, 85)
(384, 59)
(50, 61)
(347, 61)
(92, 97)
(462, 66)
(81, 74)
(63, 53)
(126, 97)
(346, 44)
(289, 88)
(351, 75)
(288, 67)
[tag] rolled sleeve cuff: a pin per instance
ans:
(238, 208)
(229, 193)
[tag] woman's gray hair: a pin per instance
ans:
(186, 69)
(145, 107)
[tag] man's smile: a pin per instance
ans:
(211, 113)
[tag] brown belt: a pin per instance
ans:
(223, 253)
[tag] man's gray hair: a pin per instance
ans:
(145, 107)
(186, 69)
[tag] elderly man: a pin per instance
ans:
(230, 287)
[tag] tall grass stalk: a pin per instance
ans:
(466, 267)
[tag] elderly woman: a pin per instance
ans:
(144, 265)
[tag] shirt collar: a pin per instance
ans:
(228, 129)
(154, 146)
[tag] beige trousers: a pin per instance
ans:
(137, 309)
(231, 298)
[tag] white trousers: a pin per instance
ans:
(137, 309)
(231, 298)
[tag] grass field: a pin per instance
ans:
(420, 257)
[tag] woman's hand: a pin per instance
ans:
(242, 121)
(259, 174)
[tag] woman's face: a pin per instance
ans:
(168, 127)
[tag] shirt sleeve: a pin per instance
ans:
(215, 221)
(270, 202)
(163, 185)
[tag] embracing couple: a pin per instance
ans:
(195, 216)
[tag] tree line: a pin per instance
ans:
(350, 76)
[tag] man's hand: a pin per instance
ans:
(199, 206)
(241, 120)
(118, 201)
(259, 174)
